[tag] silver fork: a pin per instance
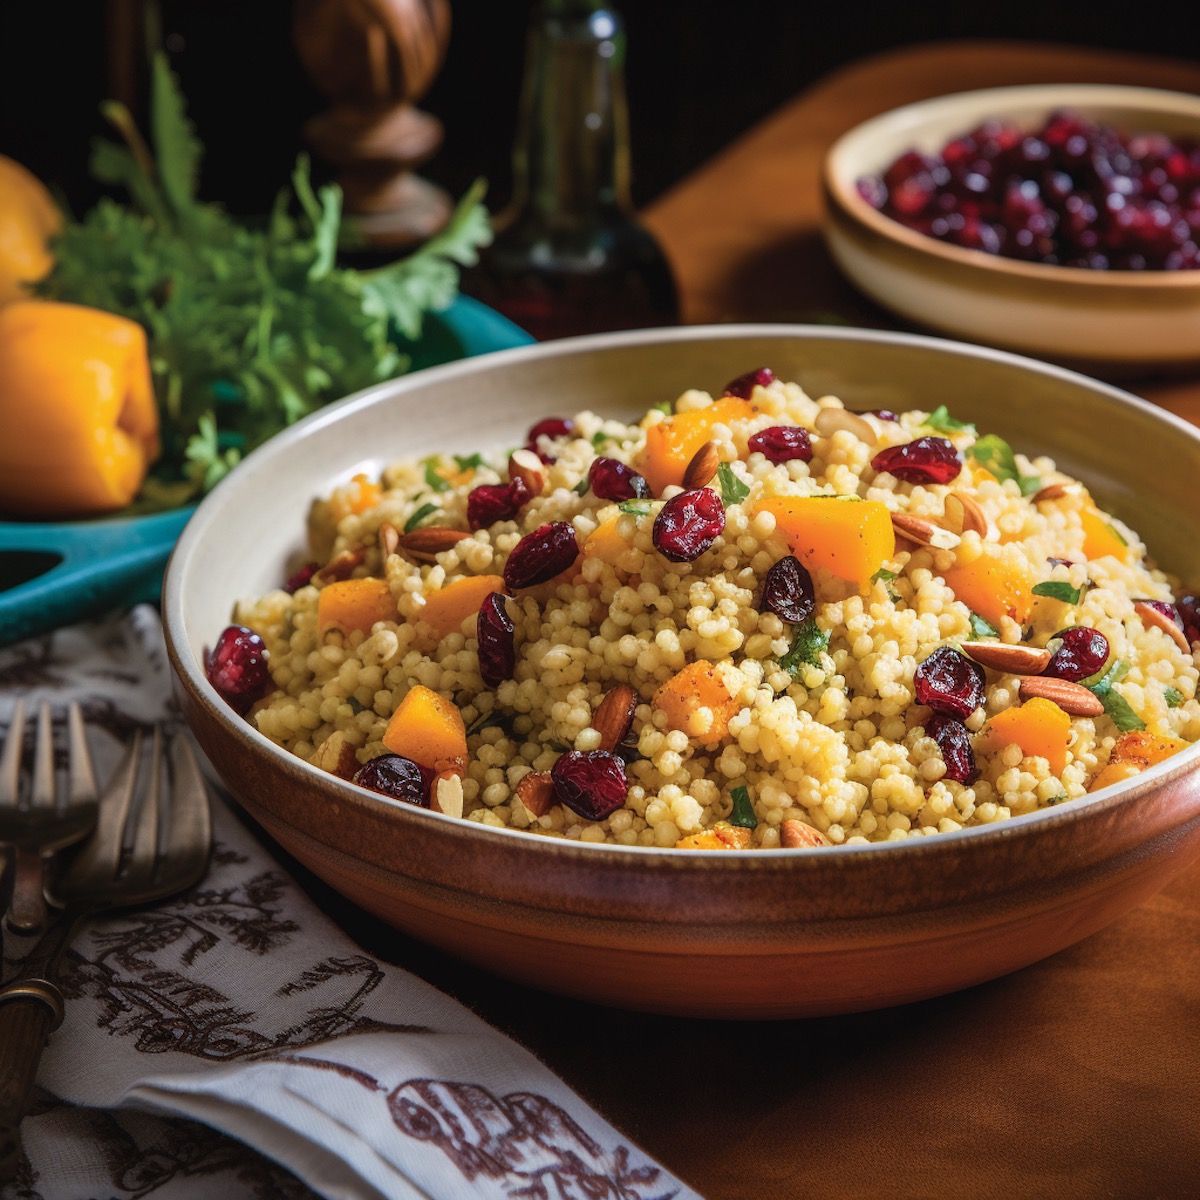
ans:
(47, 818)
(150, 841)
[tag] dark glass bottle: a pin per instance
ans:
(569, 256)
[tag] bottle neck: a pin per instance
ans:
(571, 158)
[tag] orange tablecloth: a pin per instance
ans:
(1075, 1078)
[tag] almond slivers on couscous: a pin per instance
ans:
(749, 621)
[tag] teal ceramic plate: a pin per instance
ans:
(53, 574)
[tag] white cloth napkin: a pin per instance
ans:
(237, 1016)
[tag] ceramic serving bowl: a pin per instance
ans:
(1113, 323)
(772, 933)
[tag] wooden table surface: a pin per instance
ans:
(1074, 1078)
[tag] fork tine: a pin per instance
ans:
(99, 859)
(82, 780)
(27, 901)
(145, 817)
(10, 764)
(189, 837)
(41, 793)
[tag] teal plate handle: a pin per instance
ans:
(52, 574)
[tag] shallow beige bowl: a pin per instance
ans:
(1110, 321)
(765, 934)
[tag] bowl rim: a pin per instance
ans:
(190, 674)
(842, 194)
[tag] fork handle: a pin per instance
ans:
(30, 1010)
(27, 904)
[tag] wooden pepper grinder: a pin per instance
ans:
(374, 59)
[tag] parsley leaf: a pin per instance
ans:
(982, 628)
(468, 462)
(417, 517)
(637, 508)
(433, 476)
(1173, 697)
(1115, 705)
(743, 810)
(809, 642)
(1068, 593)
(941, 420)
(993, 453)
(733, 490)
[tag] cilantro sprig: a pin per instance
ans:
(249, 327)
(1118, 709)
(809, 642)
(994, 454)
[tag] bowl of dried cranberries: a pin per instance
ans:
(1061, 221)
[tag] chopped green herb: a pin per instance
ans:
(941, 420)
(1119, 712)
(1115, 705)
(498, 717)
(667, 407)
(743, 810)
(433, 476)
(581, 488)
(638, 508)
(1115, 532)
(733, 490)
(884, 576)
(1173, 697)
(982, 628)
(600, 437)
(424, 511)
(993, 453)
(469, 462)
(809, 642)
(1066, 592)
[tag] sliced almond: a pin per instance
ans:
(1010, 659)
(1151, 616)
(446, 793)
(1071, 697)
(963, 514)
(536, 792)
(389, 538)
(336, 755)
(1054, 491)
(614, 716)
(702, 467)
(794, 834)
(427, 542)
(340, 567)
(830, 420)
(526, 466)
(923, 532)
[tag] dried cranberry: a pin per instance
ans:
(744, 385)
(237, 667)
(927, 460)
(300, 578)
(688, 524)
(591, 783)
(611, 479)
(1074, 192)
(950, 683)
(1189, 614)
(551, 427)
(1081, 653)
(541, 555)
(497, 650)
(788, 591)
(395, 776)
(954, 741)
(781, 443)
(884, 414)
(492, 502)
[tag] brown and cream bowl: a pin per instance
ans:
(1079, 261)
(765, 933)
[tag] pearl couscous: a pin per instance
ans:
(758, 620)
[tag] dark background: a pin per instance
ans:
(698, 73)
